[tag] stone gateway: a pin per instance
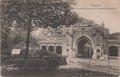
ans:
(83, 41)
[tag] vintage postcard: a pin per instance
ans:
(60, 38)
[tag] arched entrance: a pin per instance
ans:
(44, 48)
(51, 48)
(59, 50)
(113, 51)
(84, 47)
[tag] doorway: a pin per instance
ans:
(84, 48)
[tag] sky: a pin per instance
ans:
(107, 11)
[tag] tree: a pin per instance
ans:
(38, 13)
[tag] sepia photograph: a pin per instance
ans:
(60, 38)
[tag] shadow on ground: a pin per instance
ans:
(55, 73)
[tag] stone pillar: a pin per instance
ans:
(47, 48)
(55, 49)
(94, 54)
(72, 53)
(63, 50)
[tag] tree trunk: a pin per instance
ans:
(28, 38)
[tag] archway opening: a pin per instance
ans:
(51, 48)
(113, 51)
(84, 48)
(44, 48)
(59, 50)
